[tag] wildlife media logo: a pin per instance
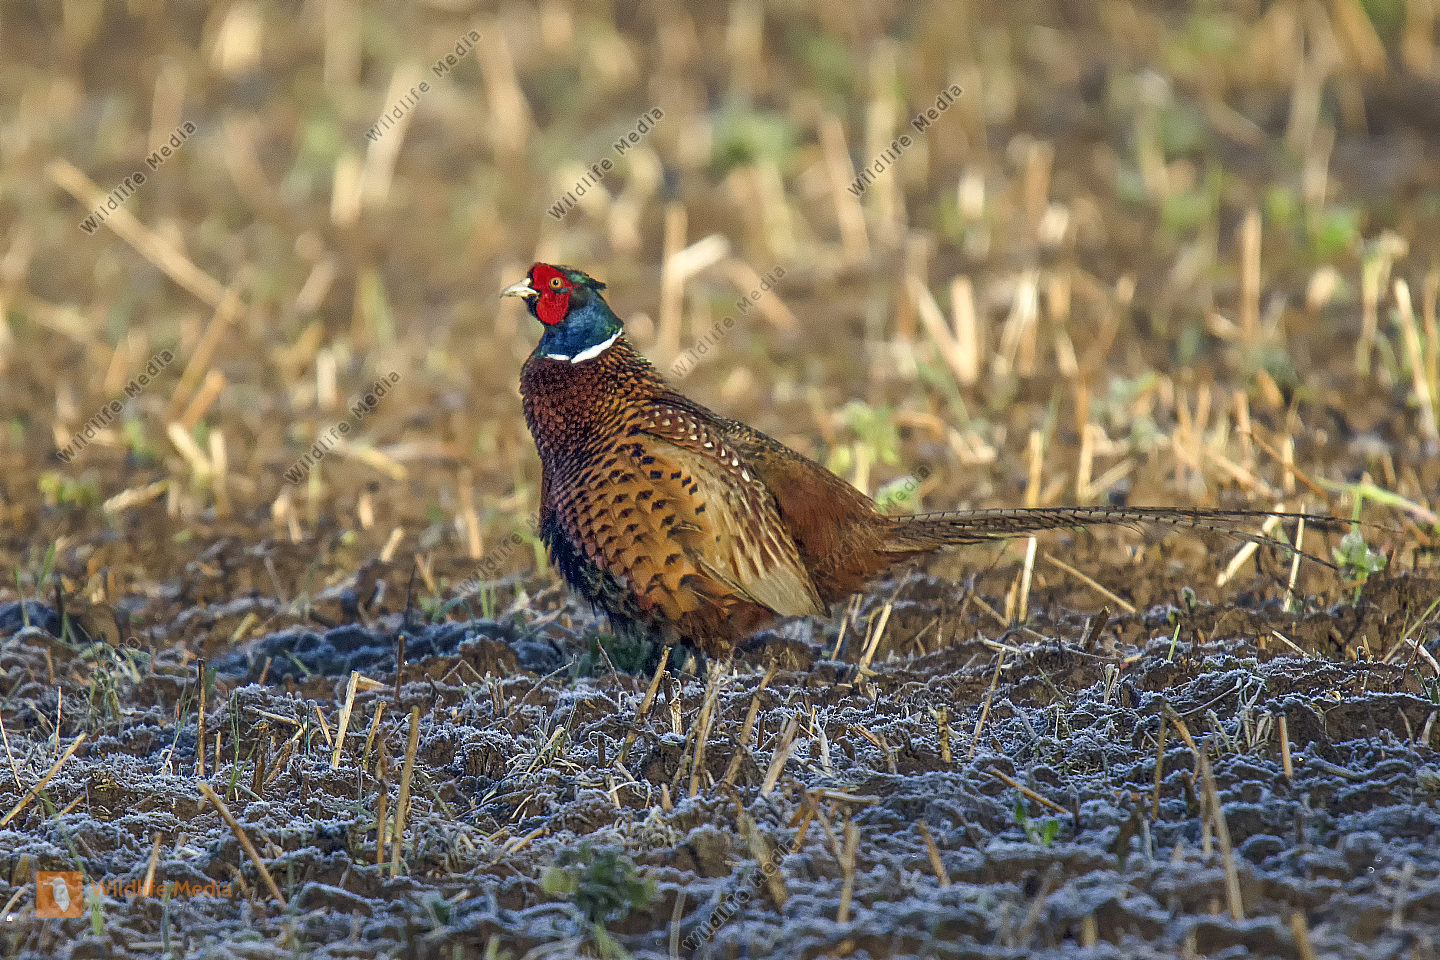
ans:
(61, 893)
(58, 893)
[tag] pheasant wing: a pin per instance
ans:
(678, 548)
(727, 517)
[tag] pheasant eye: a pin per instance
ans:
(554, 283)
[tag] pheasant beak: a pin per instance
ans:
(521, 289)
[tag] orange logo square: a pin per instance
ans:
(58, 893)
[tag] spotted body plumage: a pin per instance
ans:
(648, 509)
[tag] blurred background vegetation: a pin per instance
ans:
(1164, 252)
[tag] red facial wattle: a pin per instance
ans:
(554, 288)
(552, 306)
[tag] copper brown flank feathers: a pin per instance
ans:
(688, 527)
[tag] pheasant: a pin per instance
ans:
(687, 527)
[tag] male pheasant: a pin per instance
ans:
(687, 527)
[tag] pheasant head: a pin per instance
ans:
(579, 324)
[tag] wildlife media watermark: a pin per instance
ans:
(111, 410)
(899, 492)
(127, 187)
(490, 565)
(888, 157)
(600, 169)
(338, 431)
(411, 98)
(61, 893)
(731, 903)
(721, 328)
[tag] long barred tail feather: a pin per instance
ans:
(926, 531)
